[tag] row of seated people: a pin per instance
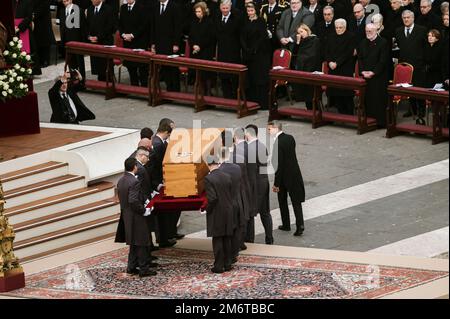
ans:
(226, 36)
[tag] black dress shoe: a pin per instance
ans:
(167, 244)
(147, 273)
(154, 248)
(407, 114)
(285, 228)
(420, 121)
(132, 271)
(178, 236)
(234, 260)
(269, 241)
(243, 247)
(216, 271)
(298, 232)
(229, 268)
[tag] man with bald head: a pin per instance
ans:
(373, 58)
(357, 23)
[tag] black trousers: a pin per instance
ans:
(236, 241)
(229, 86)
(284, 209)
(222, 252)
(344, 104)
(259, 94)
(138, 257)
(250, 231)
(138, 74)
(266, 220)
(171, 76)
(167, 225)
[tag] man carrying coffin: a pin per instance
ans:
(219, 214)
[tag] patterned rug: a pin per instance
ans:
(186, 274)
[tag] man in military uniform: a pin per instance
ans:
(271, 13)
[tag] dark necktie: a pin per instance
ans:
(359, 23)
(224, 20)
(408, 32)
(270, 10)
(96, 10)
(129, 8)
(162, 8)
(68, 108)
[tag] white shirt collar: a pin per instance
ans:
(226, 17)
(99, 6)
(131, 173)
(163, 3)
(250, 142)
(131, 5)
(278, 134)
(69, 8)
(410, 28)
(312, 8)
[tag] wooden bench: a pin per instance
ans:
(200, 101)
(316, 115)
(439, 103)
(112, 89)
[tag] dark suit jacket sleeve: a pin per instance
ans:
(280, 166)
(211, 195)
(135, 198)
(108, 28)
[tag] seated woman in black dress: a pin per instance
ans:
(307, 51)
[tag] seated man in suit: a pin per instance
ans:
(66, 105)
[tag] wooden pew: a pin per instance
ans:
(316, 115)
(439, 102)
(200, 101)
(112, 88)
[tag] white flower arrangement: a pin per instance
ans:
(13, 78)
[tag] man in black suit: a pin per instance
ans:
(288, 177)
(239, 220)
(219, 214)
(228, 25)
(411, 40)
(100, 25)
(342, 8)
(166, 30)
(43, 32)
(72, 26)
(240, 157)
(259, 180)
(271, 13)
(427, 17)
(357, 24)
(66, 105)
(316, 8)
(325, 28)
(132, 228)
(133, 28)
(165, 221)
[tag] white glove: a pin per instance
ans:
(159, 187)
(269, 34)
(148, 211)
(153, 194)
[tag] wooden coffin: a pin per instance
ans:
(184, 164)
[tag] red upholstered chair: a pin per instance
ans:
(184, 71)
(403, 73)
(118, 42)
(282, 58)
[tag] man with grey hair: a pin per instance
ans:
(288, 177)
(411, 40)
(325, 27)
(427, 18)
(290, 20)
(373, 58)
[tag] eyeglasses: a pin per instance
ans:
(327, 14)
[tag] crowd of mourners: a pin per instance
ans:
(364, 38)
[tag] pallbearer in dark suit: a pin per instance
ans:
(219, 214)
(133, 28)
(271, 13)
(288, 177)
(373, 61)
(239, 220)
(100, 23)
(166, 31)
(259, 180)
(240, 157)
(132, 228)
(72, 26)
(67, 106)
(228, 25)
